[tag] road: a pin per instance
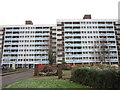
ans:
(9, 79)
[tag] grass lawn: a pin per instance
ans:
(45, 83)
(66, 72)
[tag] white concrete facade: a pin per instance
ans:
(73, 41)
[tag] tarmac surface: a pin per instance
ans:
(9, 79)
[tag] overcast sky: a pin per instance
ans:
(15, 12)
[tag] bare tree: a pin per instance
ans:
(102, 51)
(51, 56)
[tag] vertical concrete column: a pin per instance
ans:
(119, 12)
(22, 65)
(28, 66)
(13, 65)
(17, 65)
(33, 66)
(9, 66)
(119, 22)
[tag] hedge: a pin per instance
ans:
(97, 78)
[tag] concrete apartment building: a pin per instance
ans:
(1, 43)
(73, 41)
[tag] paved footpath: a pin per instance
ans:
(9, 79)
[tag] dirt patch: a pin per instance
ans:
(49, 77)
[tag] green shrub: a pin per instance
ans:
(63, 63)
(52, 73)
(95, 77)
(102, 66)
(66, 67)
(47, 68)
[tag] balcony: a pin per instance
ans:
(41, 38)
(72, 39)
(42, 34)
(72, 45)
(75, 61)
(73, 55)
(12, 34)
(9, 57)
(10, 52)
(41, 57)
(73, 50)
(68, 24)
(41, 42)
(111, 39)
(10, 47)
(11, 38)
(42, 52)
(72, 35)
(41, 62)
(105, 29)
(68, 29)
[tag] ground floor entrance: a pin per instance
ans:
(10, 66)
